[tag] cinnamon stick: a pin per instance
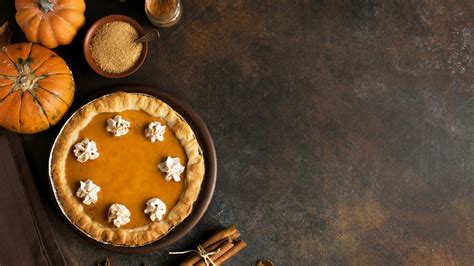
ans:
(239, 245)
(230, 238)
(268, 262)
(220, 235)
(229, 234)
(216, 245)
(191, 260)
(223, 248)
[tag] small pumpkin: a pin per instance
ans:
(50, 22)
(36, 88)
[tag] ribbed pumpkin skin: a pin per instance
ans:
(36, 88)
(56, 25)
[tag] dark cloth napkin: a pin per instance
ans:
(26, 237)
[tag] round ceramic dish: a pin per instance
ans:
(92, 30)
(207, 187)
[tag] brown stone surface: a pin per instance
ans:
(344, 129)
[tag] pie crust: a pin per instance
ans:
(72, 206)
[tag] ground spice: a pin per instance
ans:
(113, 48)
(161, 8)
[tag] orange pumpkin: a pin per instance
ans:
(50, 22)
(36, 88)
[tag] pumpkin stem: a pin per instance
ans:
(46, 6)
(26, 81)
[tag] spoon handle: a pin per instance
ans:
(149, 36)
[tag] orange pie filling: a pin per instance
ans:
(126, 170)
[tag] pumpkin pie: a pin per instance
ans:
(126, 169)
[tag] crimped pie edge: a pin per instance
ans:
(73, 208)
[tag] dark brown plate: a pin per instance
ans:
(207, 189)
(90, 33)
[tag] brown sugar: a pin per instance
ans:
(113, 48)
(161, 8)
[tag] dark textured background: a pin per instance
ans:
(344, 129)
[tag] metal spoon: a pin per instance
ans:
(149, 36)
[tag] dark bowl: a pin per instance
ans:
(90, 33)
(207, 188)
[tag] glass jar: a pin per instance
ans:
(164, 21)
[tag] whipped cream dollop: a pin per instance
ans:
(172, 168)
(88, 192)
(118, 214)
(155, 208)
(86, 150)
(117, 126)
(155, 131)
